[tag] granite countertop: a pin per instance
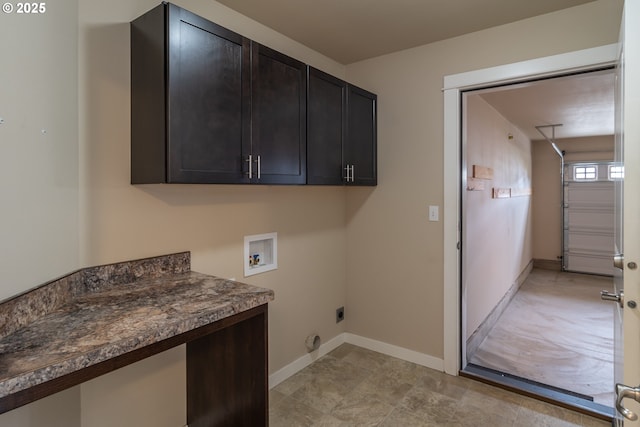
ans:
(100, 313)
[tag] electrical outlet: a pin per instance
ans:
(339, 314)
(434, 213)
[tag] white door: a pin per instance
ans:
(588, 218)
(628, 226)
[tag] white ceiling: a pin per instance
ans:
(351, 30)
(583, 104)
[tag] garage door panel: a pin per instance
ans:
(590, 220)
(588, 224)
(590, 243)
(590, 194)
(585, 263)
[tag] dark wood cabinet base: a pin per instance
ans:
(227, 382)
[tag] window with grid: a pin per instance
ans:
(585, 172)
(616, 172)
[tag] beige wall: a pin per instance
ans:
(547, 199)
(497, 240)
(370, 249)
(395, 256)
(83, 59)
(122, 221)
(147, 393)
(39, 172)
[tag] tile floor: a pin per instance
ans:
(352, 386)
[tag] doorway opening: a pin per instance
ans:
(532, 317)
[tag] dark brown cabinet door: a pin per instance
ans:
(278, 117)
(211, 106)
(361, 148)
(326, 128)
(341, 135)
(190, 99)
(208, 101)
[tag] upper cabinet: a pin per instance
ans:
(360, 148)
(341, 138)
(211, 106)
(278, 117)
(327, 128)
(190, 99)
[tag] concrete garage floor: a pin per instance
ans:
(556, 331)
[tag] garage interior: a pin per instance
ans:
(537, 231)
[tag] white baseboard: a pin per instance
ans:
(304, 361)
(395, 351)
(370, 344)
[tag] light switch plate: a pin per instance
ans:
(434, 214)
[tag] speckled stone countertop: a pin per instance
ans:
(99, 313)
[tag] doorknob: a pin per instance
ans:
(623, 391)
(618, 261)
(608, 296)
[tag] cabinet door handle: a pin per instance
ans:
(250, 161)
(259, 168)
(353, 172)
(350, 169)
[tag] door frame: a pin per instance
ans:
(454, 85)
